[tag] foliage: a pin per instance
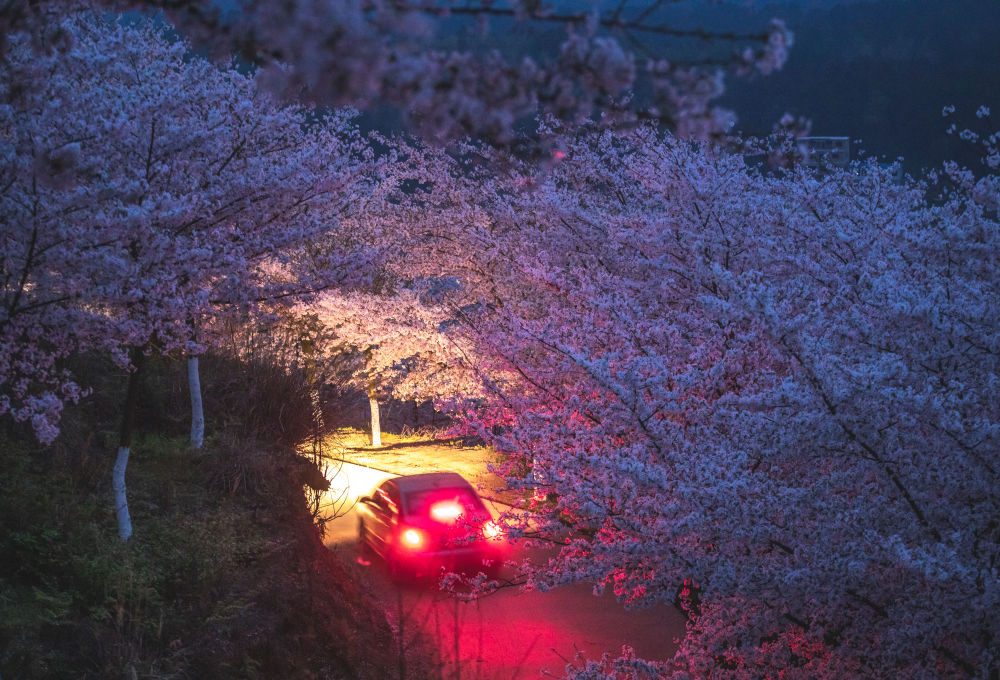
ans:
(448, 68)
(452, 68)
(405, 346)
(223, 585)
(187, 187)
(782, 387)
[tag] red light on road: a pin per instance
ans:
(412, 538)
(446, 511)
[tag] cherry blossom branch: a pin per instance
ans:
(853, 436)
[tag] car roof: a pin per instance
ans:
(430, 480)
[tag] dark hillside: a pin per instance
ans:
(881, 72)
(225, 577)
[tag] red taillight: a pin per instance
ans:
(492, 530)
(412, 538)
(446, 511)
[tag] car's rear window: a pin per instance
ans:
(429, 503)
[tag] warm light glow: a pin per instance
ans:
(412, 538)
(446, 511)
(492, 530)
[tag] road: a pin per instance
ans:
(509, 635)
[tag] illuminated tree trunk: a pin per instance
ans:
(197, 410)
(373, 404)
(124, 447)
(376, 425)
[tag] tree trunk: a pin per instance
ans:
(124, 446)
(197, 411)
(308, 347)
(373, 401)
(376, 425)
(121, 501)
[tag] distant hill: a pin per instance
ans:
(880, 71)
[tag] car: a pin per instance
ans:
(419, 524)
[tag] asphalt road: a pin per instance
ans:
(509, 635)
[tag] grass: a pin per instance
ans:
(225, 576)
(352, 438)
(222, 585)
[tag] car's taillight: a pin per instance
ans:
(492, 530)
(412, 538)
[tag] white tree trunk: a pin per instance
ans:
(372, 400)
(376, 425)
(125, 444)
(197, 411)
(121, 502)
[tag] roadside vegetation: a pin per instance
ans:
(228, 577)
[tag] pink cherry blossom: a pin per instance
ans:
(781, 388)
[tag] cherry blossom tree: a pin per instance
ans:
(187, 186)
(449, 70)
(398, 53)
(44, 282)
(779, 389)
(408, 345)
